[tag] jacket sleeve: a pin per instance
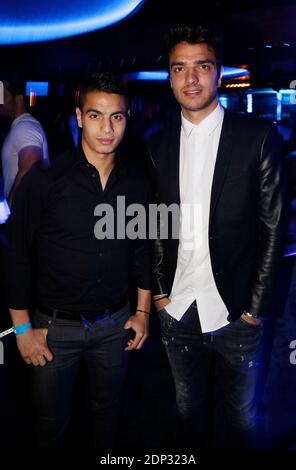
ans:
(141, 263)
(158, 252)
(272, 218)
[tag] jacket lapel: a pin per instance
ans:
(222, 161)
(173, 163)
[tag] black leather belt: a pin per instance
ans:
(90, 316)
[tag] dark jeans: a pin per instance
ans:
(215, 377)
(101, 347)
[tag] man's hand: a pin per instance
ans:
(250, 320)
(140, 324)
(33, 347)
(161, 303)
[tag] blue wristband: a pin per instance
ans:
(20, 329)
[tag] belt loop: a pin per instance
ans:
(54, 316)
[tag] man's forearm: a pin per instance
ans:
(16, 182)
(18, 317)
(144, 300)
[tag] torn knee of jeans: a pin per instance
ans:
(165, 341)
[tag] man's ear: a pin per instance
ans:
(220, 76)
(19, 100)
(78, 116)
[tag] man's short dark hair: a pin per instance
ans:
(108, 82)
(195, 34)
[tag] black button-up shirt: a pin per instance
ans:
(53, 217)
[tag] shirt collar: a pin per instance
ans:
(119, 167)
(207, 125)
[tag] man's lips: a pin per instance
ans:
(105, 141)
(194, 92)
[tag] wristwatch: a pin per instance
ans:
(252, 315)
(160, 297)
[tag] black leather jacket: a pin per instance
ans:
(246, 212)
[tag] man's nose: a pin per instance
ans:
(192, 76)
(107, 125)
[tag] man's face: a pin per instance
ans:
(103, 121)
(194, 78)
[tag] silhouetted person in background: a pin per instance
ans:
(25, 143)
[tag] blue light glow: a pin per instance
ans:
(39, 88)
(279, 107)
(149, 76)
(25, 22)
(4, 211)
(249, 103)
(233, 72)
(223, 101)
(287, 91)
(264, 91)
(162, 75)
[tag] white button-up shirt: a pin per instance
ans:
(194, 278)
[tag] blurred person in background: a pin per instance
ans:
(25, 143)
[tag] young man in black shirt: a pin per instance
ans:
(81, 277)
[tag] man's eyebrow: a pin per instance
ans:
(179, 62)
(97, 111)
(93, 110)
(205, 61)
(198, 62)
(118, 112)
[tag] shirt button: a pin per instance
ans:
(99, 281)
(100, 254)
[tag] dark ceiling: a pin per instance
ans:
(135, 43)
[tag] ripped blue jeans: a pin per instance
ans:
(215, 377)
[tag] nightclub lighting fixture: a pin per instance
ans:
(35, 21)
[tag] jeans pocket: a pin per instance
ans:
(241, 344)
(40, 320)
(164, 312)
(120, 317)
(167, 322)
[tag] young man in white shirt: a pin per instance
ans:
(210, 289)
